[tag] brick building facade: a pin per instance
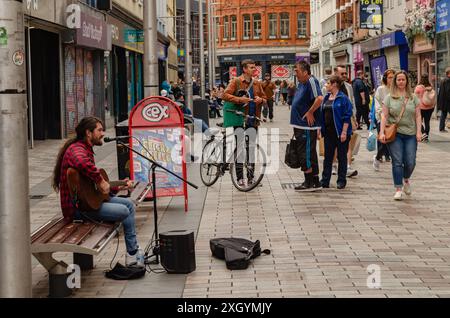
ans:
(271, 32)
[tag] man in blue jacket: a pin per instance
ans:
(305, 119)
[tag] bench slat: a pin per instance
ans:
(43, 229)
(98, 235)
(64, 233)
(80, 234)
(51, 232)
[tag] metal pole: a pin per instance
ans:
(30, 88)
(188, 57)
(210, 54)
(213, 44)
(151, 74)
(15, 249)
(202, 49)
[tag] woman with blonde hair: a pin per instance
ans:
(402, 107)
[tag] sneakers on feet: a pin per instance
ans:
(241, 183)
(351, 173)
(136, 260)
(407, 188)
(305, 187)
(376, 163)
(334, 171)
(398, 196)
(341, 186)
(424, 137)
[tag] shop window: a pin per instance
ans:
(247, 26)
(233, 27)
(257, 26)
(284, 25)
(301, 25)
(273, 23)
(226, 25)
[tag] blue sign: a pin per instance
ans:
(442, 15)
(378, 66)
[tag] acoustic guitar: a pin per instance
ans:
(86, 192)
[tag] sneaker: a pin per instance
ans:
(351, 173)
(444, 131)
(136, 260)
(334, 171)
(398, 195)
(271, 120)
(252, 181)
(376, 163)
(304, 187)
(241, 183)
(387, 159)
(341, 186)
(424, 137)
(407, 188)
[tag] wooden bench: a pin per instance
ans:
(84, 240)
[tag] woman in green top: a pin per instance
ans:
(403, 149)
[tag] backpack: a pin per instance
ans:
(236, 252)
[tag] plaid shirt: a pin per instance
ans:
(81, 157)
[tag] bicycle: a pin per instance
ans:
(215, 163)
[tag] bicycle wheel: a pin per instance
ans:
(211, 163)
(252, 170)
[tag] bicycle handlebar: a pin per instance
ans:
(239, 113)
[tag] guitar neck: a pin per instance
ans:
(114, 184)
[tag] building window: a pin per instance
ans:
(247, 27)
(284, 25)
(273, 21)
(257, 26)
(301, 25)
(233, 27)
(226, 30)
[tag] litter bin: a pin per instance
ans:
(123, 154)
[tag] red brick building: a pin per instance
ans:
(272, 32)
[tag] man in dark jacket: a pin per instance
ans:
(443, 102)
(361, 93)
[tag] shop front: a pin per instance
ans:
(358, 59)
(425, 53)
(387, 51)
(343, 55)
(84, 70)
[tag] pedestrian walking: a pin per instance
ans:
(380, 95)
(401, 107)
(284, 91)
(336, 111)
(251, 102)
(305, 119)
(362, 97)
(427, 97)
(443, 102)
(291, 93)
(269, 89)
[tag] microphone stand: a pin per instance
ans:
(155, 165)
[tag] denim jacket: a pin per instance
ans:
(342, 113)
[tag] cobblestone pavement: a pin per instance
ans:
(322, 243)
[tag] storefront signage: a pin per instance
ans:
(371, 14)
(92, 32)
(277, 57)
(387, 40)
(302, 57)
(157, 127)
(125, 36)
(19, 58)
(314, 58)
(281, 71)
(357, 54)
(233, 71)
(442, 15)
(258, 72)
(378, 66)
(421, 44)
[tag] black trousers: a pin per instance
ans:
(248, 156)
(426, 117)
(332, 143)
(308, 151)
(362, 111)
(268, 110)
(382, 149)
(443, 119)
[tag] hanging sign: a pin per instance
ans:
(371, 14)
(157, 127)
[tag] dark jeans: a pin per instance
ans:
(426, 116)
(443, 119)
(270, 109)
(248, 156)
(331, 143)
(382, 149)
(362, 111)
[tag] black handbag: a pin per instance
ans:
(292, 156)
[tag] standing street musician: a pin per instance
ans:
(77, 153)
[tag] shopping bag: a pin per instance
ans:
(372, 140)
(321, 147)
(355, 143)
(292, 156)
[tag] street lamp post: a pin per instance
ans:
(15, 248)
(151, 75)
(202, 47)
(188, 57)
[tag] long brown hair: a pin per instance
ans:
(87, 123)
(394, 87)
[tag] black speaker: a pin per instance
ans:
(177, 251)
